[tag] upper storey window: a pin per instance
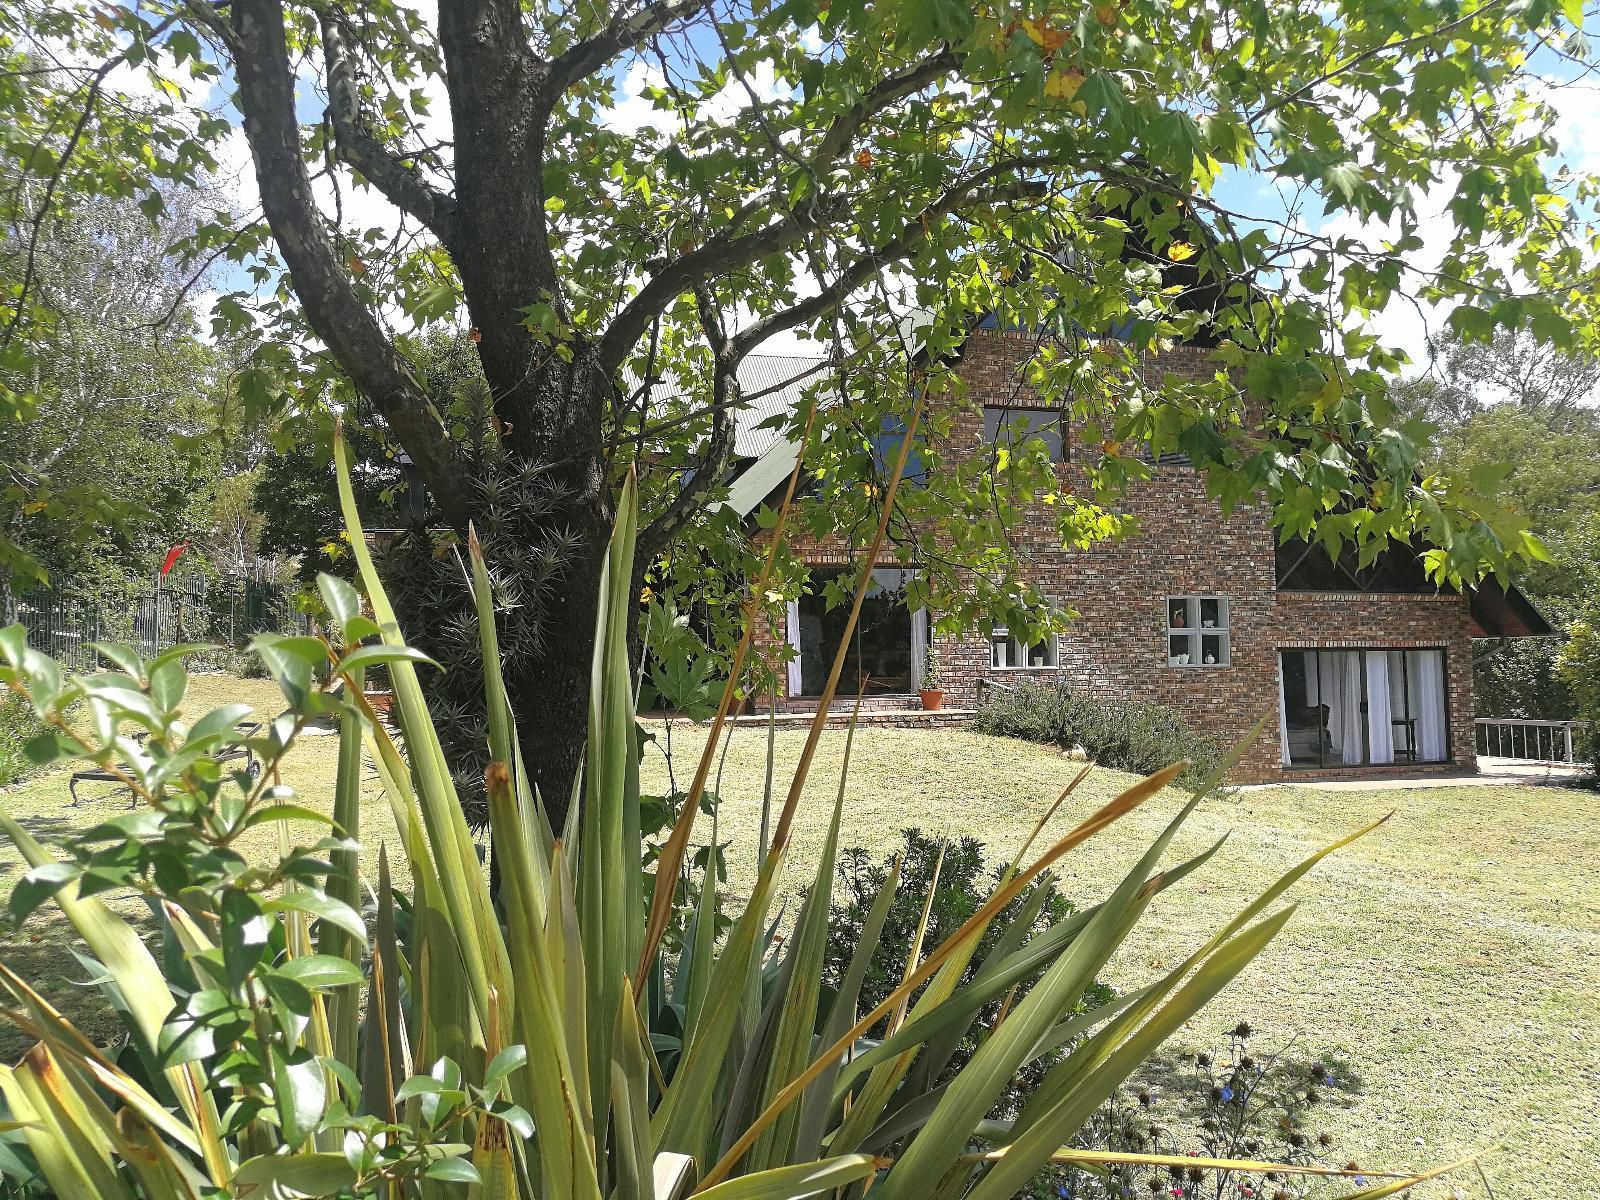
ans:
(1014, 427)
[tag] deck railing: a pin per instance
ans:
(1525, 740)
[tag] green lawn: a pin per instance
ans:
(1453, 957)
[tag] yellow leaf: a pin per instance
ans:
(1179, 251)
(1042, 35)
(1064, 85)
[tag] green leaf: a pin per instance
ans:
(452, 1170)
(245, 933)
(502, 1065)
(793, 1182)
(50, 747)
(324, 908)
(300, 1092)
(419, 1085)
(218, 722)
(317, 971)
(286, 812)
(38, 885)
(342, 600)
(293, 1176)
(290, 661)
(370, 656)
(937, 20)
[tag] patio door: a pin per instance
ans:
(885, 652)
(1362, 707)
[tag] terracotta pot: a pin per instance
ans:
(382, 702)
(932, 699)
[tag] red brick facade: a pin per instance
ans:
(1117, 647)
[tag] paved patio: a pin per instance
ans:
(1491, 772)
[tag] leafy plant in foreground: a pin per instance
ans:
(509, 1043)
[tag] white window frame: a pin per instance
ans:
(1188, 644)
(1000, 635)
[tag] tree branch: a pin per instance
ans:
(402, 185)
(717, 457)
(624, 33)
(335, 311)
(880, 96)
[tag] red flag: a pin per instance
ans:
(172, 556)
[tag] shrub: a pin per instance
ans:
(17, 724)
(964, 883)
(1125, 735)
(549, 1058)
(1579, 668)
(1520, 677)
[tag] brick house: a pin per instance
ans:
(1357, 672)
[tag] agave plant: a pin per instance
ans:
(538, 1043)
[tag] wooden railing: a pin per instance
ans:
(1525, 740)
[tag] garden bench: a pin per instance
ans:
(233, 754)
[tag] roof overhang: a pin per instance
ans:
(1504, 612)
(755, 482)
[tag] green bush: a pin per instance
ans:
(1126, 735)
(964, 883)
(1579, 668)
(1520, 677)
(17, 725)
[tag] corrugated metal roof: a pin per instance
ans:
(773, 385)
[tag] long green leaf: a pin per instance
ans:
(1034, 1147)
(974, 1091)
(797, 1022)
(479, 943)
(794, 1182)
(818, 1100)
(611, 912)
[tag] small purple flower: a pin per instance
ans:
(1227, 1094)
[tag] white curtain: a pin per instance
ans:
(1341, 692)
(1283, 707)
(793, 629)
(919, 646)
(1427, 704)
(1380, 730)
(1310, 657)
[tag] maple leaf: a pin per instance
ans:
(1064, 85)
(1044, 36)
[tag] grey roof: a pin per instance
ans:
(773, 382)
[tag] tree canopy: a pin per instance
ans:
(607, 194)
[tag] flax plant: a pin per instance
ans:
(537, 1044)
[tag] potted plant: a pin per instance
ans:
(932, 694)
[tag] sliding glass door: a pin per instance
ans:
(1363, 707)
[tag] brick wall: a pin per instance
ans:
(1117, 646)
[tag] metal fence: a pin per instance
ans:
(1525, 740)
(159, 614)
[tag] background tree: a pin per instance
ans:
(822, 169)
(116, 414)
(1512, 401)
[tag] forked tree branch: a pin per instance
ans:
(335, 311)
(624, 33)
(712, 466)
(401, 184)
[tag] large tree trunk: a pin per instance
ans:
(544, 520)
